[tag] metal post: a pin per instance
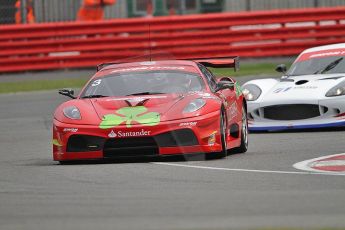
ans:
(182, 7)
(43, 11)
(23, 11)
(248, 5)
(316, 3)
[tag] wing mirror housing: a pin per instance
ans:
(225, 85)
(281, 68)
(67, 92)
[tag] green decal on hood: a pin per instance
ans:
(129, 114)
(238, 89)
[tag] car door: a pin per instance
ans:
(228, 96)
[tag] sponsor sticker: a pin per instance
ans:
(148, 63)
(121, 133)
(306, 87)
(206, 95)
(72, 130)
(210, 97)
(136, 98)
(149, 68)
(188, 124)
(232, 110)
(322, 54)
(282, 90)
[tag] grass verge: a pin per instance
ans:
(36, 85)
(248, 69)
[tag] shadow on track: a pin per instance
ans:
(318, 130)
(120, 160)
(146, 159)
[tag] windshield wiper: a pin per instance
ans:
(95, 96)
(329, 66)
(144, 93)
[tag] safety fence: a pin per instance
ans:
(67, 10)
(86, 44)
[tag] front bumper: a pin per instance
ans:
(281, 127)
(191, 135)
(330, 113)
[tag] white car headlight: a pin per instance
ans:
(72, 112)
(337, 90)
(251, 92)
(194, 105)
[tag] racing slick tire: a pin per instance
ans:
(223, 153)
(244, 134)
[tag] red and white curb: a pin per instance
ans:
(325, 164)
(310, 167)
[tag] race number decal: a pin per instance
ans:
(97, 82)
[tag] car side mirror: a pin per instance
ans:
(225, 85)
(67, 92)
(281, 68)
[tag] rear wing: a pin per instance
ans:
(218, 62)
(143, 58)
(223, 62)
(102, 65)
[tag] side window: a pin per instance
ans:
(209, 76)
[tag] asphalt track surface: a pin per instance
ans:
(38, 193)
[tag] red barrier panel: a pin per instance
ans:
(247, 34)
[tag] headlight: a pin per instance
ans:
(72, 112)
(194, 105)
(337, 90)
(251, 92)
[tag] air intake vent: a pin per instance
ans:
(84, 143)
(301, 82)
(182, 137)
(291, 112)
(125, 147)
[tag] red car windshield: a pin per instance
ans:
(143, 83)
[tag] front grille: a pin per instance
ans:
(138, 146)
(84, 143)
(291, 112)
(181, 137)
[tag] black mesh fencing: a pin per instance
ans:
(7, 11)
(18, 11)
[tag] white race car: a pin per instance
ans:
(311, 94)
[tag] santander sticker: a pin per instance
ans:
(331, 163)
(112, 134)
(120, 133)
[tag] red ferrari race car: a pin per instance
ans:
(153, 108)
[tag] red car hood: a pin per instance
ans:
(136, 106)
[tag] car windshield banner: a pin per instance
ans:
(322, 54)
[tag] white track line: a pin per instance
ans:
(248, 170)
